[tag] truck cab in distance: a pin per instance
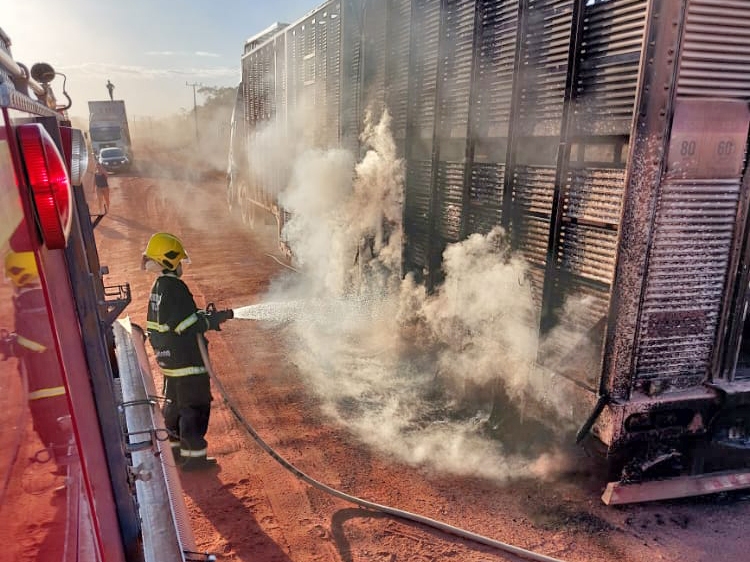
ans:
(108, 126)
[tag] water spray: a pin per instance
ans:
(293, 310)
(271, 311)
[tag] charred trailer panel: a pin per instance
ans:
(608, 138)
(674, 361)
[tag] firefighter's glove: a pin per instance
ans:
(8, 344)
(215, 318)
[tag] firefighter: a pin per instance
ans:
(32, 343)
(174, 324)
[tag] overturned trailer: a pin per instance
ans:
(609, 138)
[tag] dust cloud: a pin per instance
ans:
(177, 156)
(445, 381)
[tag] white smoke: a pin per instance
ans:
(317, 230)
(416, 375)
(346, 219)
(481, 313)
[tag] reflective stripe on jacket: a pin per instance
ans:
(173, 324)
(184, 371)
(31, 345)
(47, 393)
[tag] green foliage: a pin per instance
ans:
(217, 99)
(195, 139)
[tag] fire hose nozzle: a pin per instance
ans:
(217, 317)
(223, 315)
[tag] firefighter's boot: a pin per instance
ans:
(198, 463)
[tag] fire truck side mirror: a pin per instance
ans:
(43, 73)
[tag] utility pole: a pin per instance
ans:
(195, 107)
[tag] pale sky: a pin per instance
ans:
(149, 49)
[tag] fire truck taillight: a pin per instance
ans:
(49, 183)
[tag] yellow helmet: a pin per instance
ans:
(166, 250)
(20, 268)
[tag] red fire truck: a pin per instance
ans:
(85, 470)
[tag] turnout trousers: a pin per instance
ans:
(186, 413)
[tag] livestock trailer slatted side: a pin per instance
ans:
(250, 93)
(249, 87)
(266, 102)
(417, 208)
(298, 104)
(568, 349)
(587, 252)
(310, 82)
(544, 41)
(315, 65)
(591, 176)
(456, 65)
(263, 62)
(327, 91)
(335, 71)
(684, 289)
(266, 106)
(293, 50)
(483, 210)
(423, 91)
(450, 180)
(496, 53)
(374, 57)
(594, 197)
(455, 71)
(645, 148)
(397, 69)
(332, 85)
(281, 86)
(420, 173)
(315, 77)
(351, 59)
(569, 123)
(715, 60)
(492, 96)
(608, 65)
(279, 120)
(306, 65)
(533, 191)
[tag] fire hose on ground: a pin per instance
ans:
(518, 551)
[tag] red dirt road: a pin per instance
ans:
(251, 509)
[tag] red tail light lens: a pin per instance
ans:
(49, 182)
